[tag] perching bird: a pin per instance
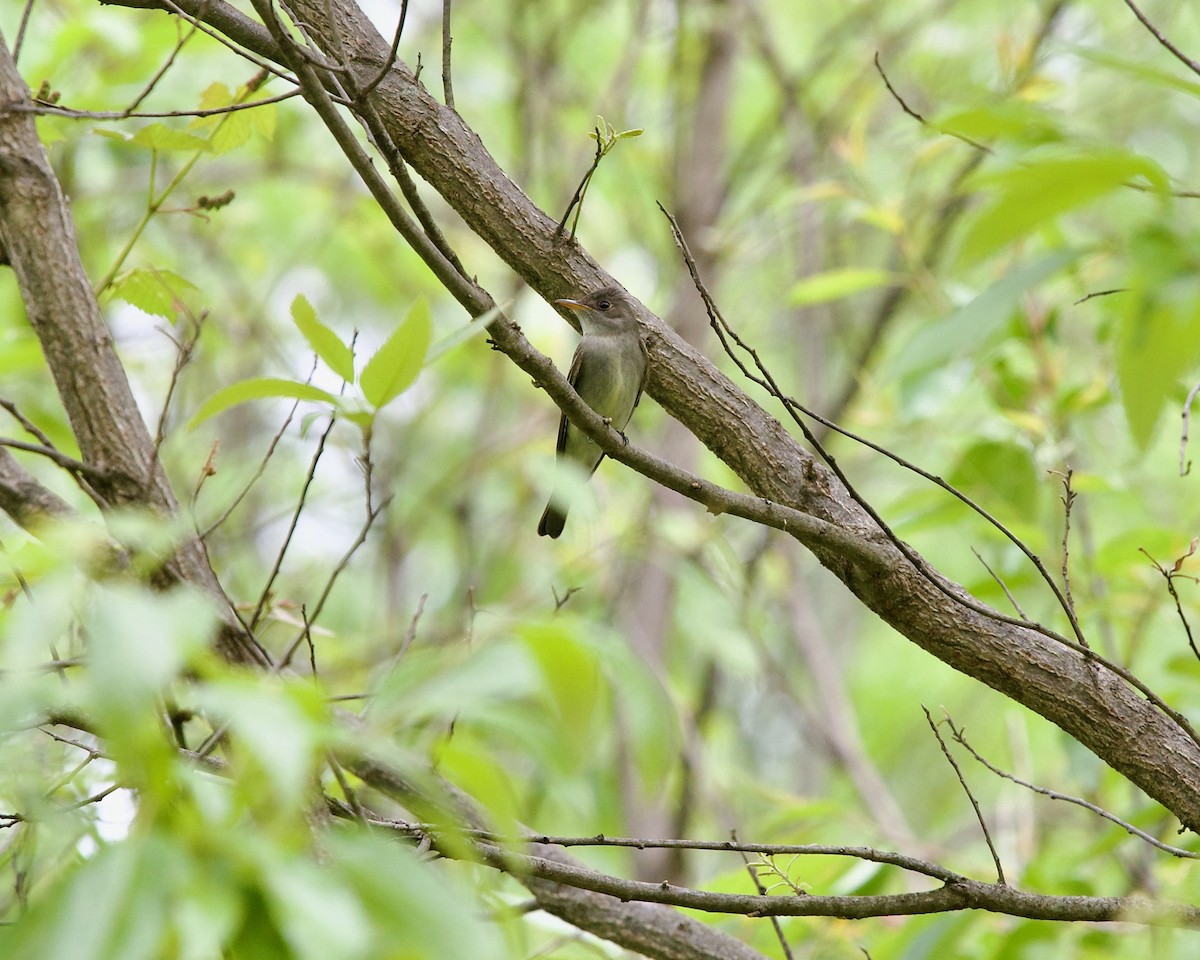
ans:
(608, 372)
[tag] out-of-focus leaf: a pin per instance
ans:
(1034, 192)
(327, 344)
(396, 364)
(973, 324)
(1010, 120)
(835, 284)
(994, 472)
(258, 389)
(1159, 342)
(1142, 71)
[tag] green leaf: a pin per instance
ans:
(835, 284)
(156, 292)
(999, 473)
(1157, 345)
(1011, 120)
(328, 346)
(396, 364)
(258, 389)
(974, 323)
(158, 136)
(1034, 193)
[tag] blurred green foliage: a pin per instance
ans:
(659, 671)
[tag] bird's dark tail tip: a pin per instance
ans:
(552, 522)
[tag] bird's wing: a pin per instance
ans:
(645, 369)
(572, 378)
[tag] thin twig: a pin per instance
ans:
(725, 333)
(346, 557)
(960, 738)
(1186, 467)
(581, 190)
(1169, 574)
(262, 467)
(447, 39)
(1158, 35)
(366, 91)
(409, 636)
(987, 836)
(283, 548)
(41, 108)
(920, 119)
(758, 886)
(20, 39)
(1003, 586)
(1100, 293)
(1068, 501)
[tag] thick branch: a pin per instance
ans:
(37, 232)
(1092, 705)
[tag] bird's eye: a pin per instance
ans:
(604, 304)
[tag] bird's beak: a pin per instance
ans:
(570, 304)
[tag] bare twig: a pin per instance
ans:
(447, 39)
(581, 190)
(1158, 35)
(20, 38)
(1068, 501)
(960, 737)
(987, 836)
(262, 467)
(726, 334)
(1003, 586)
(41, 108)
(283, 547)
(1102, 293)
(758, 886)
(920, 119)
(1170, 574)
(1185, 467)
(366, 91)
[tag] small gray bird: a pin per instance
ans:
(608, 372)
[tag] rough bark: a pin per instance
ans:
(1091, 704)
(38, 235)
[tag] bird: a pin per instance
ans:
(608, 372)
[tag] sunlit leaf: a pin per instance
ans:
(396, 364)
(258, 389)
(154, 291)
(327, 344)
(1035, 192)
(158, 136)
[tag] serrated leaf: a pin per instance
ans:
(396, 364)
(258, 389)
(835, 284)
(215, 96)
(158, 136)
(156, 292)
(1029, 195)
(328, 346)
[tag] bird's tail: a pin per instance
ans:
(553, 520)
